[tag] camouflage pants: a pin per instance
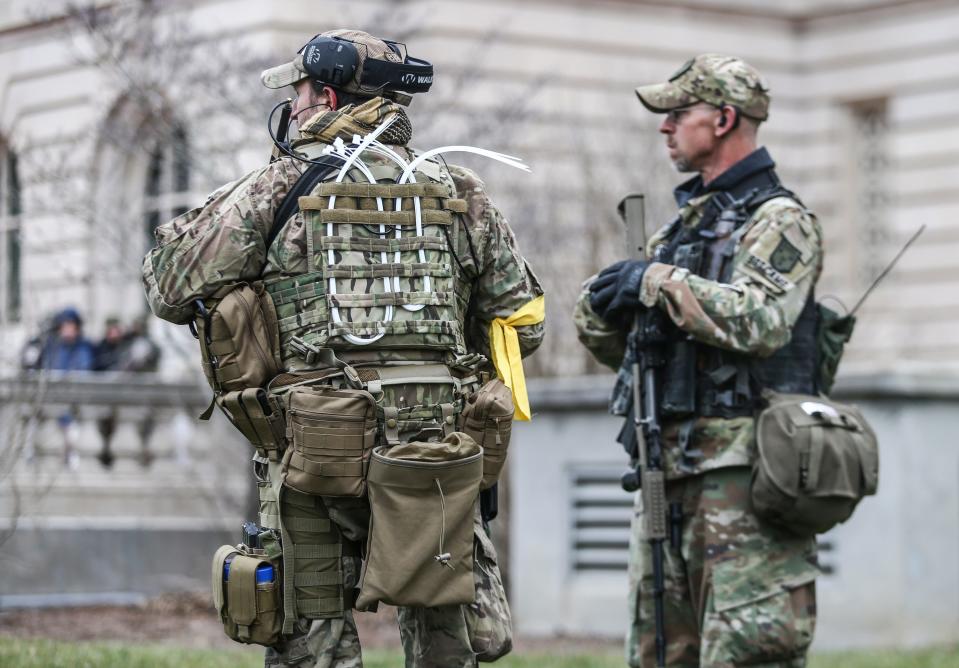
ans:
(442, 637)
(737, 592)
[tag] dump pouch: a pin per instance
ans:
(246, 595)
(331, 434)
(239, 337)
(817, 460)
(422, 501)
(488, 418)
(259, 420)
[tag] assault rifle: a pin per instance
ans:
(648, 341)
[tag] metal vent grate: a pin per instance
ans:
(601, 512)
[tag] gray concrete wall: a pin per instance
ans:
(47, 565)
(89, 534)
(894, 575)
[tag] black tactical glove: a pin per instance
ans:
(615, 292)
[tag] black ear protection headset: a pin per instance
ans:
(334, 61)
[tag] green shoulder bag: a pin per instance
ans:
(817, 459)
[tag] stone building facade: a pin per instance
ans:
(117, 116)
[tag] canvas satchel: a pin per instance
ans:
(817, 458)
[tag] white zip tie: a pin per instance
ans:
(493, 155)
(398, 233)
(350, 156)
(339, 148)
(341, 151)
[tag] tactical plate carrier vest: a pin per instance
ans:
(707, 381)
(377, 280)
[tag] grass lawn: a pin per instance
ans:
(47, 654)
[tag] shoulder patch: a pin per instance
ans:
(768, 272)
(785, 257)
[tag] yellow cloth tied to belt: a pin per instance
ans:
(507, 359)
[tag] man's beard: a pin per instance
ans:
(682, 165)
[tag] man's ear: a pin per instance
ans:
(728, 120)
(331, 94)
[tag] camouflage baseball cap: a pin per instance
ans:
(714, 79)
(367, 47)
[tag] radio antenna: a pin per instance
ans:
(888, 268)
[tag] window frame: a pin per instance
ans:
(11, 237)
(166, 187)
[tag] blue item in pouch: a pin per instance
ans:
(264, 572)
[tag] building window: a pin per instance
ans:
(167, 186)
(869, 190)
(10, 240)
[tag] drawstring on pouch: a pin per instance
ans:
(443, 557)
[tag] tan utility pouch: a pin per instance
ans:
(239, 337)
(422, 502)
(246, 595)
(817, 459)
(488, 418)
(258, 419)
(331, 433)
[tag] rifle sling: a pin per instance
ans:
(318, 171)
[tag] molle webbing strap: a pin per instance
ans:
(456, 205)
(326, 578)
(391, 190)
(415, 373)
(395, 327)
(359, 300)
(296, 523)
(367, 217)
(390, 245)
(324, 469)
(388, 270)
(320, 606)
(296, 288)
(228, 372)
(324, 551)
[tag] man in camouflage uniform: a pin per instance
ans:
(224, 242)
(737, 591)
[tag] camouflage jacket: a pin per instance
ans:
(224, 241)
(753, 314)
